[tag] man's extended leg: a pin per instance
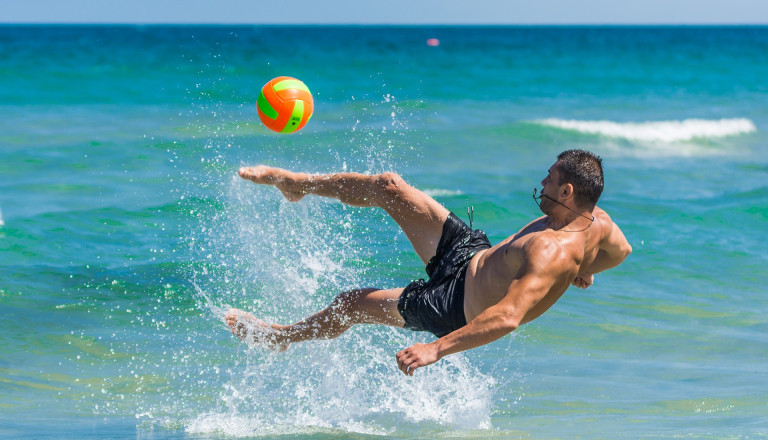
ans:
(420, 216)
(366, 306)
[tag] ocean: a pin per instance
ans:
(125, 233)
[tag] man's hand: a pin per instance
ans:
(583, 280)
(415, 356)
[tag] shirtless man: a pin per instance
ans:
(476, 292)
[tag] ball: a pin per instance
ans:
(285, 104)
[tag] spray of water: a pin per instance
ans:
(290, 259)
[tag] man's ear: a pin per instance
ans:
(567, 191)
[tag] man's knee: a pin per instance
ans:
(351, 302)
(358, 306)
(392, 185)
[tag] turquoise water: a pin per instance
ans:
(125, 233)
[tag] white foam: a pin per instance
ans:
(442, 192)
(343, 396)
(2, 223)
(452, 393)
(658, 131)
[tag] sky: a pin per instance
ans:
(472, 12)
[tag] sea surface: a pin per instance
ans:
(125, 233)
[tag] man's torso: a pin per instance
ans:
(491, 272)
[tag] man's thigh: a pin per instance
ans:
(421, 218)
(377, 306)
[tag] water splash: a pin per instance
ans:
(283, 261)
(329, 387)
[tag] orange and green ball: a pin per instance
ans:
(285, 104)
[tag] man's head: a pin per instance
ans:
(584, 171)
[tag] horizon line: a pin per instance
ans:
(543, 24)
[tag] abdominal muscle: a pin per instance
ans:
(486, 281)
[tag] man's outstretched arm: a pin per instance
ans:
(545, 265)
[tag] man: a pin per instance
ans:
(476, 293)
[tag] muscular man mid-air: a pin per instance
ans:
(476, 293)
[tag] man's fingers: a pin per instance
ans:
(401, 364)
(407, 362)
(403, 361)
(581, 283)
(407, 367)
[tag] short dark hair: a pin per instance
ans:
(583, 170)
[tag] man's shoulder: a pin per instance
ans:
(545, 244)
(605, 222)
(602, 216)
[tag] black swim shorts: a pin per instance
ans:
(437, 305)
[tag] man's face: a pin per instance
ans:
(550, 188)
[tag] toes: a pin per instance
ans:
(248, 172)
(257, 174)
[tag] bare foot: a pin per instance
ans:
(250, 329)
(286, 181)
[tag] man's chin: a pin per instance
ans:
(545, 207)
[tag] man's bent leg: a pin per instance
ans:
(421, 217)
(366, 306)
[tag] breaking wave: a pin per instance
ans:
(657, 131)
